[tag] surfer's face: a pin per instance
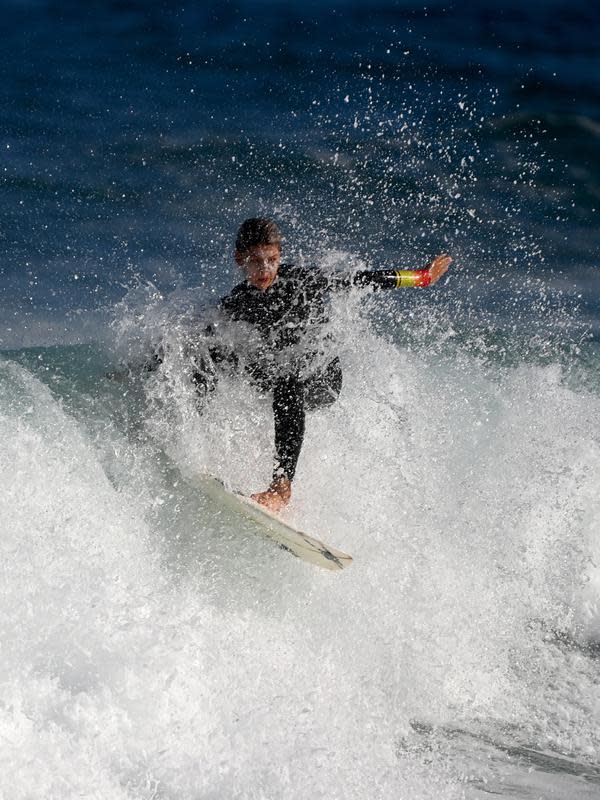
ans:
(260, 263)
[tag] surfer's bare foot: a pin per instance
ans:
(277, 495)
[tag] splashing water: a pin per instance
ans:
(154, 646)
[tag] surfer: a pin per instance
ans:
(286, 306)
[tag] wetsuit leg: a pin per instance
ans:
(292, 397)
(288, 412)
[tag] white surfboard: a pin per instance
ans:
(270, 525)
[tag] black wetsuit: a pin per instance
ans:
(291, 360)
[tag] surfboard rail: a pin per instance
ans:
(300, 544)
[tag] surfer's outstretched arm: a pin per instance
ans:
(400, 278)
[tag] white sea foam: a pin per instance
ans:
(153, 646)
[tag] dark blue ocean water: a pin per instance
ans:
(135, 136)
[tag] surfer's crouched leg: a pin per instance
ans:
(288, 413)
(292, 397)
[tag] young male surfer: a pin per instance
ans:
(286, 306)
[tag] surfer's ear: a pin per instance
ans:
(240, 258)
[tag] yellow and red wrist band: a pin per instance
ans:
(392, 278)
(407, 278)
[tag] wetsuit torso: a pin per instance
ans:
(282, 312)
(290, 317)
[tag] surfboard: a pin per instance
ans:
(300, 544)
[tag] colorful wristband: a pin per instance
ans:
(412, 277)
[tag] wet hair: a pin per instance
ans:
(256, 231)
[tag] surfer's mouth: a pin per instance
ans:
(263, 281)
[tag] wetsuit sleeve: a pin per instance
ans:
(155, 360)
(204, 376)
(384, 278)
(289, 416)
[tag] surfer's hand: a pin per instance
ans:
(438, 267)
(119, 375)
(277, 495)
